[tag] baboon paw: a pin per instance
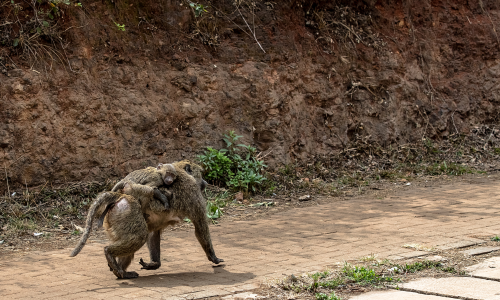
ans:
(129, 275)
(118, 275)
(217, 260)
(149, 266)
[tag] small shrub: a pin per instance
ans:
(217, 165)
(236, 167)
(363, 275)
(360, 274)
(496, 238)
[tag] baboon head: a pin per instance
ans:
(194, 170)
(168, 173)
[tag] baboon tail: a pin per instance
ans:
(106, 199)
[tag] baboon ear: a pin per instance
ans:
(159, 166)
(187, 168)
(203, 185)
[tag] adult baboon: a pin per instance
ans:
(129, 217)
(187, 201)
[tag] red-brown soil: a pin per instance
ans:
(391, 72)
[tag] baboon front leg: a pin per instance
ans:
(123, 262)
(203, 235)
(154, 251)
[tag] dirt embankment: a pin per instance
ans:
(172, 82)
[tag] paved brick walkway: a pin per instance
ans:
(297, 240)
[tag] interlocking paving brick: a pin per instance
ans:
(293, 241)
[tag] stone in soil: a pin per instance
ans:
(305, 198)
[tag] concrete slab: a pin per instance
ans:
(436, 258)
(241, 296)
(407, 255)
(480, 250)
(468, 287)
(456, 245)
(396, 295)
(490, 268)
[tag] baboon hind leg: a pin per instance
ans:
(203, 235)
(154, 251)
(113, 265)
(123, 262)
(124, 251)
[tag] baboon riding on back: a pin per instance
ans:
(131, 217)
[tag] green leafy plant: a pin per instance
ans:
(198, 9)
(217, 165)
(363, 275)
(448, 169)
(332, 284)
(418, 266)
(236, 167)
(213, 211)
(496, 238)
(120, 27)
(321, 296)
(320, 275)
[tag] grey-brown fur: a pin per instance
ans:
(187, 201)
(128, 219)
(152, 177)
(144, 194)
(125, 227)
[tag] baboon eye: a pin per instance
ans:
(187, 168)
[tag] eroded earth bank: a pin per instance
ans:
(85, 98)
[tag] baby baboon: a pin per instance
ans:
(187, 201)
(153, 177)
(125, 226)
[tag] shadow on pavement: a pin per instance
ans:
(192, 279)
